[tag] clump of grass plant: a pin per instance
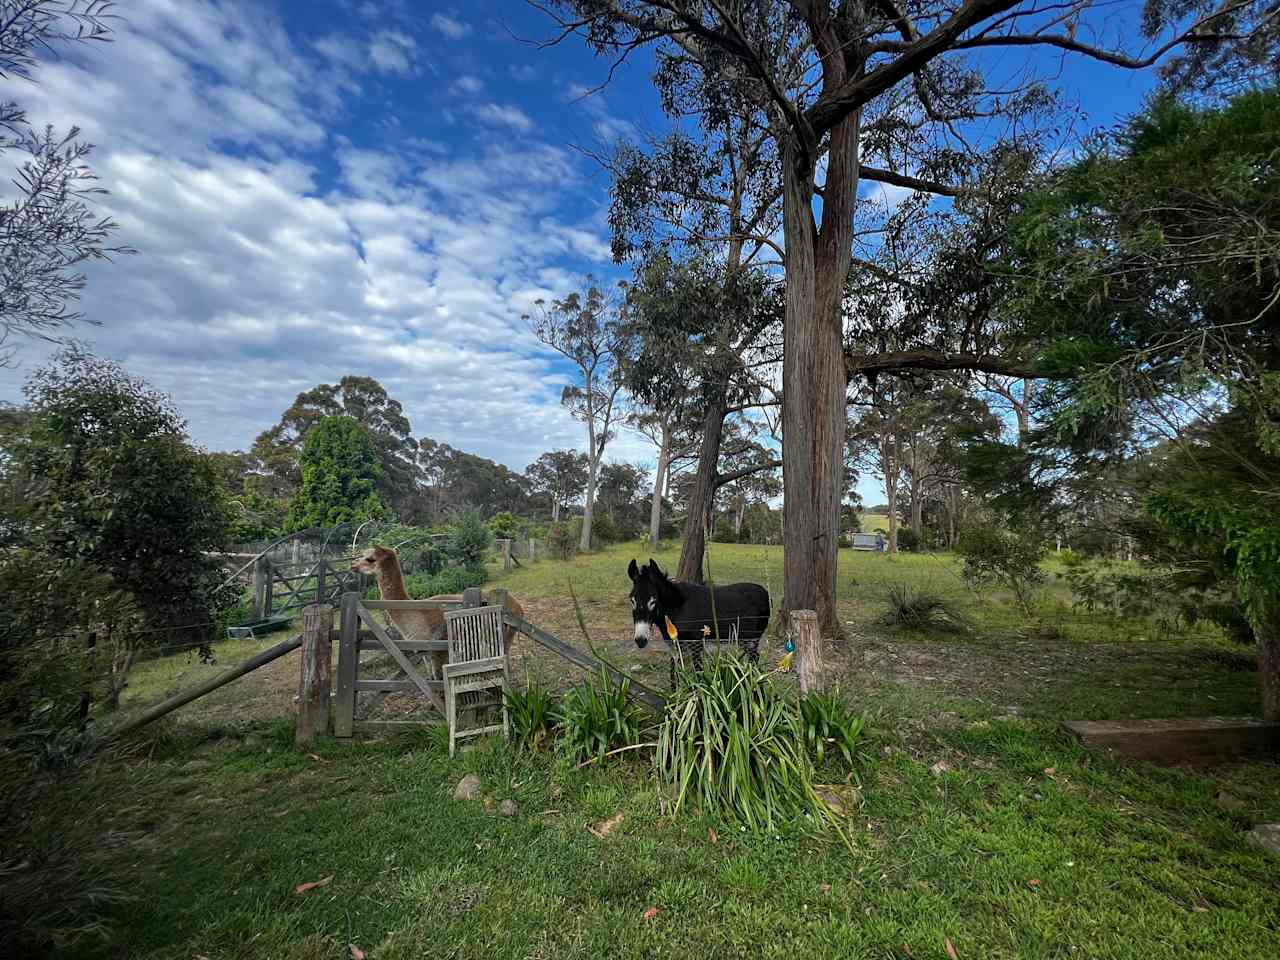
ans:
(533, 713)
(597, 717)
(920, 610)
(830, 725)
(732, 744)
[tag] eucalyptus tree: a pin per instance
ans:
(862, 90)
(696, 324)
(589, 331)
(47, 227)
(559, 475)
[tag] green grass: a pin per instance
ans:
(1024, 846)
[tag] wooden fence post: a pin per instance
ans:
(261, 583)
(314, 678)
(533, 549)
(321, 567)
(505, 546)
(804, 633)
(472, 597)
(344, 715)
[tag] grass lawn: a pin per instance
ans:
(978, 825)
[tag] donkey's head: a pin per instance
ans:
(372, 559)
(653, 598)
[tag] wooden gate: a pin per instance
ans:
(362, 631)
(279, 589)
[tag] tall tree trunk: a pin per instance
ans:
(917, 509)
(891, 488)
(588, 508)
(703, 498)
(1267, 627)
(555, 509)
(738, 517)
(814, 378)
(659, 486)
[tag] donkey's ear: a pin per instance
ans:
(656, 570)
(632, 572)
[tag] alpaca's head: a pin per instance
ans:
(373, 559)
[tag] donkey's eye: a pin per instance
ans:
(653, 603)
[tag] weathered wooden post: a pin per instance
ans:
(261, 583)
(505, 546)
(804, 634)
(472, 597)
(348, 651)
(314, 678)
(533, 549)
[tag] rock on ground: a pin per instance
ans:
(1265, 836)
(509, 808)
(468, 788)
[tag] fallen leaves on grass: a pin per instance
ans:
(951, 950)
(317, 758)
(304, 887)
(651, 913)
(355, 952)
(713, 836)
(1033, 883)
(606, 827)
(826, 888)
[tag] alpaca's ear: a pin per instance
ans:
(632, 572)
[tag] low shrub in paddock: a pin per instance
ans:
(732, 744)
(534, 714)
(1010, 558)
(597, 716)
(562, 542)
(830, 725)
(919, 610)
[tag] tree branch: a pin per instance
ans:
(872, 364)
(724, 478)
(902, 180)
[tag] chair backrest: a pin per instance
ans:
(475, 633)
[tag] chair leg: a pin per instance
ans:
(451, 715)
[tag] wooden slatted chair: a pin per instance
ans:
(477, 662)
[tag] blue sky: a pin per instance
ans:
(378, 187)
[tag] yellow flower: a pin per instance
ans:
(671, 628)
(785, 662)
(706, 631)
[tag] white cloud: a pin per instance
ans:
(523, 72)
(392, 51)
(504, 114)
(468, 84)
(261, 272)
(450, 26)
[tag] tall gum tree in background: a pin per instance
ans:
(587, 330)
(846, 84)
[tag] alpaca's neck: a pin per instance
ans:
(391, 581)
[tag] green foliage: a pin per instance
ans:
(1005, 557)
(108, 513)
(561, 541)
(470, 541)
(830, 725)
(733, 745)
(597, 716)
(534, 715)
(417, 551)
(907, 540)
(340, 467)
(918, 609)
(504, 526)
(451, 579)
(1068, 558)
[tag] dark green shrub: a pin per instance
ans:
(469, 541)
(1069, 558)
(596, 717)
(1006, 557)
(534, 714)
(830, 725)
(908, 542)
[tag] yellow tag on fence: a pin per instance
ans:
(671, 628)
